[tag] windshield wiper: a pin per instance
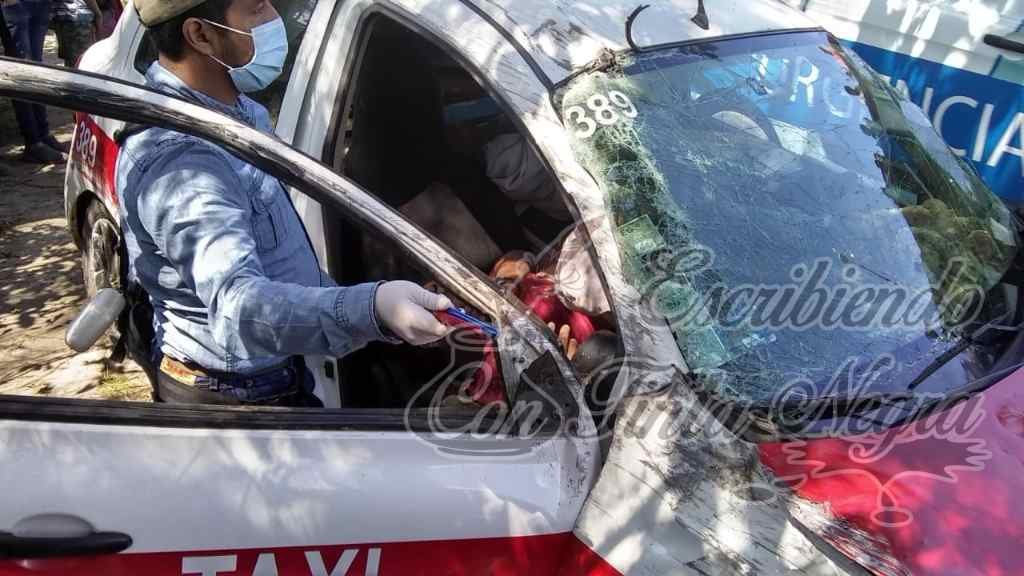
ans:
(794, 417)
(759, 423)
(849, 258)
(797, 421)
(958, 347)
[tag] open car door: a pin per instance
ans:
(97, 487)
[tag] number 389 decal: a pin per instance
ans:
(86, 144)
(603, 111)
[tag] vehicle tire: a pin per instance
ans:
(101, 262)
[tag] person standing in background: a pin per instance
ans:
(111, 10)
(5, 36)
(77, 23)
(8, 46)
(27, 21)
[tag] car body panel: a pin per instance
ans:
(89, 173)
(942, 491)
(565, 36)
(935, 53)
(505, 556)
(195, 493)
(680, 494)
(297, 94)
(95, 156)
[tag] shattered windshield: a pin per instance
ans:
(786, 212)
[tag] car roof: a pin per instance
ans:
(564, 35)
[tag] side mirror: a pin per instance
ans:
(95, 319)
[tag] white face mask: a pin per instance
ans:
(270, 49)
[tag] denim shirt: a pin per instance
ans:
(234, 282)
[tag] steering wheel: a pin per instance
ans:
(729, 107)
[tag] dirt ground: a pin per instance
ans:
(41, 278)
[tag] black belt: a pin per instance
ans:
(171, 391)
(177, 383)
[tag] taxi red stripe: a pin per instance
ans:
(550, 554)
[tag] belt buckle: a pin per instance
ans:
(177, 371)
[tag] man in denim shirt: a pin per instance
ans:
(237, 292)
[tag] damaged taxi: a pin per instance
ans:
(744, 312)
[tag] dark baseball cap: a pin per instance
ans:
(153, 12)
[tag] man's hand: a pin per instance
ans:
(405, 309)
(565, 339)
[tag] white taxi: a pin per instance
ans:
(724, 153)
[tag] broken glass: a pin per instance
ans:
(785, 211)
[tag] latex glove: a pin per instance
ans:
(406, 310)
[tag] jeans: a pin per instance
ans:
(27, 21)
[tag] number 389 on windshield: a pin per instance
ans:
(601, 110)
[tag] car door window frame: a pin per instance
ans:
(346, 89)
(92, 94)
(335, 136)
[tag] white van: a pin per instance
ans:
(962, 61)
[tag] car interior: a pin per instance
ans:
(422, 134)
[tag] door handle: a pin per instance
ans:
(12, 546)
(1004, 43)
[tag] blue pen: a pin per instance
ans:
(488, 329)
